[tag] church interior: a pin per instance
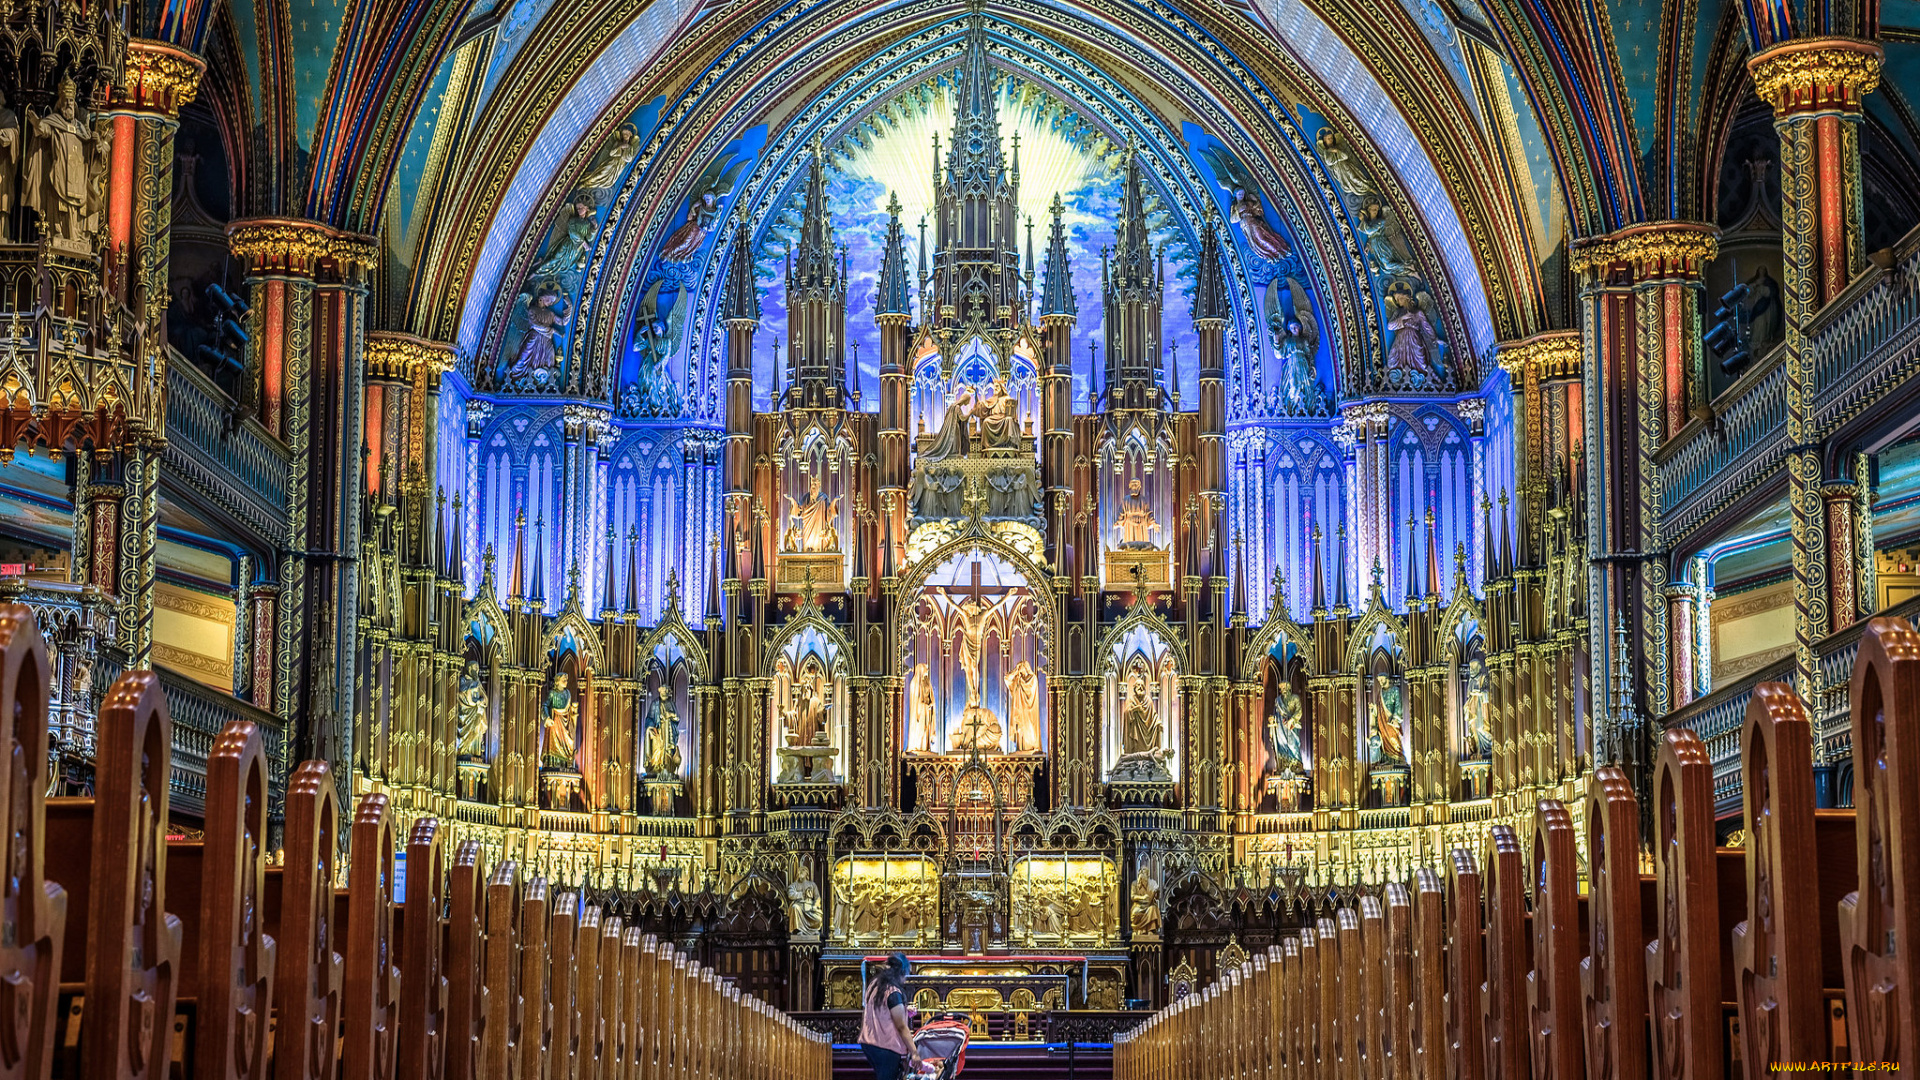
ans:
(1245, 538)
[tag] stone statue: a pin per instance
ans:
(703, 209)
(979, 729)
(998, 416)
(1023, 698)
(10, 165)
(924, 720)
(561, 716)
(809, 716)
(99, 172)
(1283, 734)
(1142, 759)
(613, 160)
(1340, 165)
(843, 908)
(662, 753)
(1382, 246)
(1415, 347)
(955, 438)
(1478, 742)
(1387, 739)
(470, 739)
(1135, 525)
(55, 181)
(1142, 728)
(1145, 914)
(547, 313)
(810, 522)
(568, 253)
(803, 907)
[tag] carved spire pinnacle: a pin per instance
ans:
(741, 299)
(976, 154)
(1056, 297)
(1433, 559)
(606, 579)
(633, 571)
(1319, 572)
(517, 577)
(1210, 282)
(539, 594)
(895, 293)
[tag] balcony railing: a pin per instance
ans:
(199, 714)
(1718, 717)
(1864, 346)
(227, 459)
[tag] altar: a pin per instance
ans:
(1014, 983)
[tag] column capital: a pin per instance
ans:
(158, 78)
(298, 247)
(1656, 249)
(1552, 355)
(400, 358)
(1815, 75)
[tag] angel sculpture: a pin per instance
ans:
(568, 253)
(1377, 224)
(656, 335)
(1414, 348)
(703, 210)
(1247, 208)
(613, 160)
(547, 313)
(1340, 165)
(1296, 340)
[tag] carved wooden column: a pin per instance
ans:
(1815, 87)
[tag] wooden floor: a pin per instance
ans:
(1004, 1061)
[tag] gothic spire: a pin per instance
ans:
(815, 258)
(741, 299)
(518, 578)
(713, 582)
(976, 154)
(1210, 284)
(1340, 573)
(606, 580)
(1433, 559)
(539, 594)
(1056, 297)
(633, 571)
(895, 294)
(1239, 585)
(1319, 573)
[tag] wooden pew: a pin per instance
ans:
(1816, 900)
(466, 989)
(1776, 957)
(309, 973)
(1613, 975)
(234, 988)
(1554, 1015)
(1880, 923)
(367, 997)
(1503, 1002)
(1466, 961)
(422, 1010)
(435, 987)
(132, 944)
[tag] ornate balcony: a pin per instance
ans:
(221, 458)
(1865, 345)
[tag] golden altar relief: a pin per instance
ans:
(885, 900)
(1065, 900)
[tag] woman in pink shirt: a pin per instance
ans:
(884, 1035)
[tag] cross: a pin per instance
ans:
(1139, 574)
(806, 585)
(973, 726)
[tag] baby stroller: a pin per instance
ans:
(942, 1045)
